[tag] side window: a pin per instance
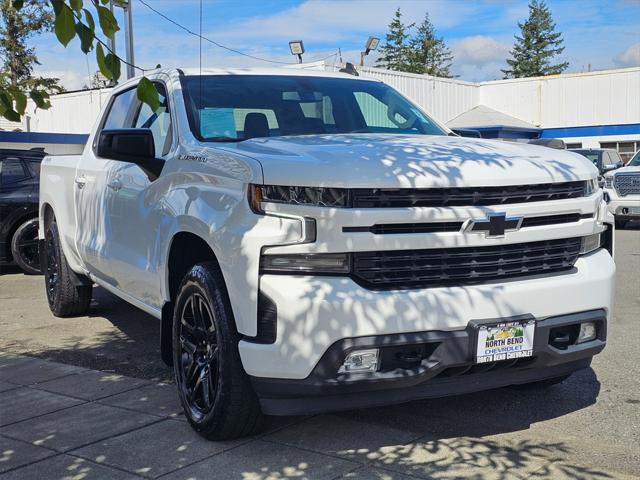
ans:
(121, 112)
(158, 122)
(12, 171)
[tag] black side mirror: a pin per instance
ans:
(132, 145)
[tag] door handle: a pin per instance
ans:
(115, 184)
(80, 181)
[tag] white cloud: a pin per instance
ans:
(320, 20)
(630, 57)
(479, 50)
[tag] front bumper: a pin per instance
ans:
(446, 368)
(313, 313)
(624, 208)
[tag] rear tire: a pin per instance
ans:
(541, 384)
(621, 223)
(66, 299)
(215, 391)
(24, 247)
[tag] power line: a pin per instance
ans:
(191, 32)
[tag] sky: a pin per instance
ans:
(599, 34)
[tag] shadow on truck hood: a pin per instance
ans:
(390, 161)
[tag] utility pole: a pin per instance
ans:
(128, 37)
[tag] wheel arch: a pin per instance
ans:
(185, 250)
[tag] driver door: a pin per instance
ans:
(134, 212)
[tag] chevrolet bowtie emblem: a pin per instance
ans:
(495, 225)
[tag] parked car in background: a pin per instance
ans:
(313, 241)
(623, 188)
(19, 185)
(605, 159)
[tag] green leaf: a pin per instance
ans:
(90, 21)
(76, 5)
(86, 37)
(18, 4)
(108, 23)
(148, 93)
(102, 64)
(7, 107)
(21, 101)
(113, 64)
(64, 25)
(40, 98)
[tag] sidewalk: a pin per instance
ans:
(61, 421)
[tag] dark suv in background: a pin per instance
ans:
(603, 158)
(19, 188)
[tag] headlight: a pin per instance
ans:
(590, 187)
(327, 263)
(591, 243)
(608, 182)
(318, 196)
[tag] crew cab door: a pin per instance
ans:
(134, 211)
(93, 181)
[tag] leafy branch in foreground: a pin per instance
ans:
(72, 18)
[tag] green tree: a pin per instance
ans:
(71, 19)
(428, 53)
(18, 60)
(534, 51)
(394, 54)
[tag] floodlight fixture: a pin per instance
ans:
(372, 44)
(297, 48)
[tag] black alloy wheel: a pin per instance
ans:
(199, 364)
(24, 247)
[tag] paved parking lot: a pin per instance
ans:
(88, 401)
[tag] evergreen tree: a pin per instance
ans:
(394, 54)
(429, 54)
(17, 59)
(533, 52)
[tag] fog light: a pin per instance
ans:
(587, 332)
(360, 361)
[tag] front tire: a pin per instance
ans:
(24, 247)
(214, 389)
(66, 299)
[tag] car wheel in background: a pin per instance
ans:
(66, 298)
(24, 247)
(620, 223)
(215, 391)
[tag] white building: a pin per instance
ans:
(592, 109)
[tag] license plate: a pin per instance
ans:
(505, 341)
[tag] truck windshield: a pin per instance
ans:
(240, 107)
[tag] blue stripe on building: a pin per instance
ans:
(39, 137)
(591, 131)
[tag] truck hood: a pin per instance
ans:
(413, 161)
(627, 169)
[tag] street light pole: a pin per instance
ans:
(128, 39)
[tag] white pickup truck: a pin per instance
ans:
(314, 241)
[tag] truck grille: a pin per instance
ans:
(401, 269)
(464, 196)
(627, 184)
